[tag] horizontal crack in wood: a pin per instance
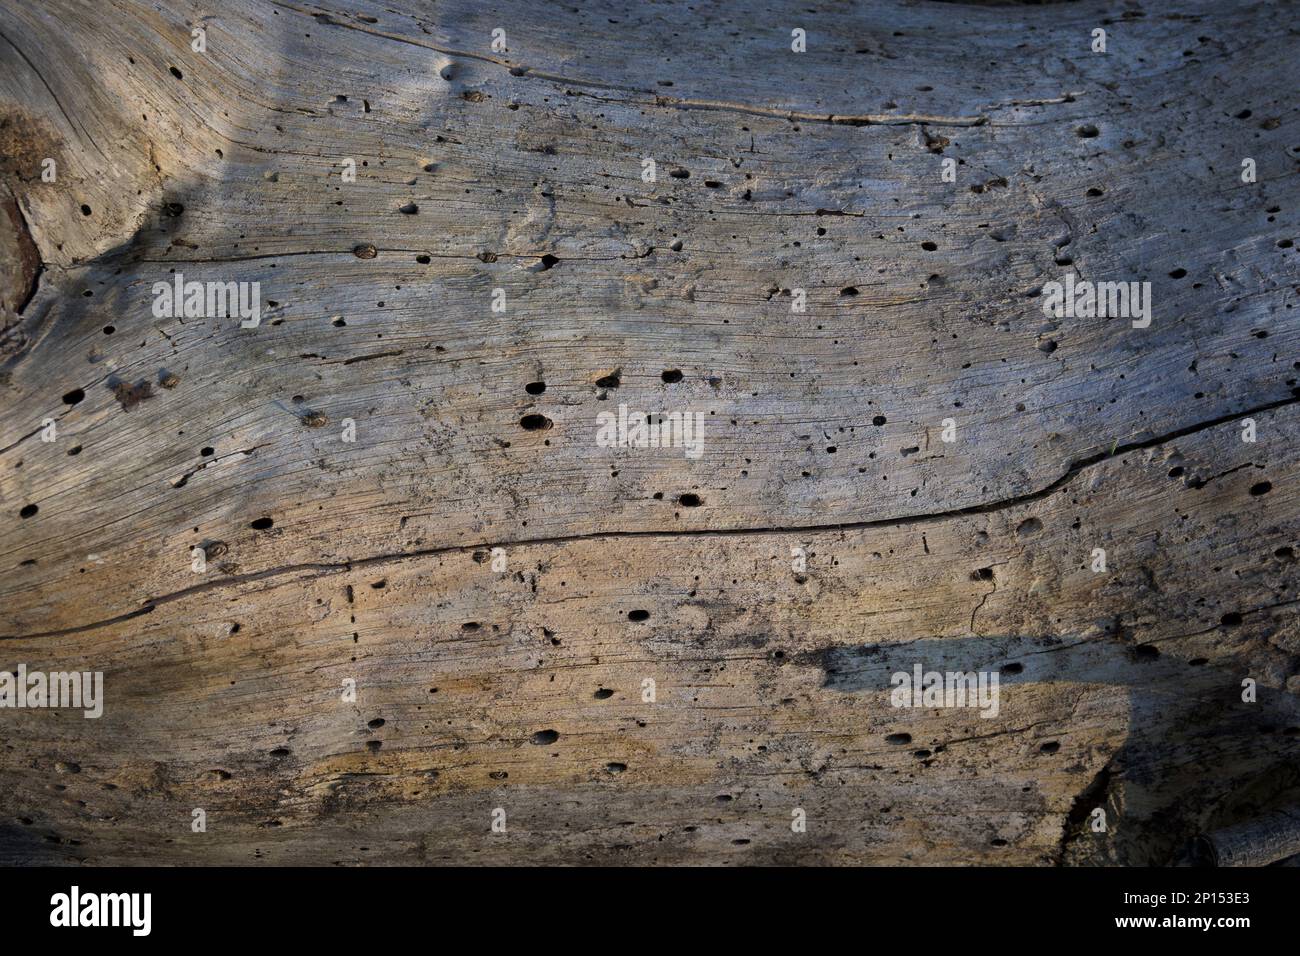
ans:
(318, 569)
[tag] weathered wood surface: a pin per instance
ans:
(816, 171)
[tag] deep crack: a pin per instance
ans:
(986, 508)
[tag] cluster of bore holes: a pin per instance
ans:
(535, 422)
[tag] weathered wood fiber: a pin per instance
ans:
(521, 170)
(1261, 842)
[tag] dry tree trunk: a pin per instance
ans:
(826, 536)
(1260, 842)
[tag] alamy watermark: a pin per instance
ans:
(82, 690)
(208, 300)
(683, 430)
(1088, 300)
(75, 908)
(923, 688)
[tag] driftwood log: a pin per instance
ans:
(1260, 842)
(498, 586)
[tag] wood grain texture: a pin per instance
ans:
(520, 170)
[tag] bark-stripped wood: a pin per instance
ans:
(521, 170)
(1261, 842)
